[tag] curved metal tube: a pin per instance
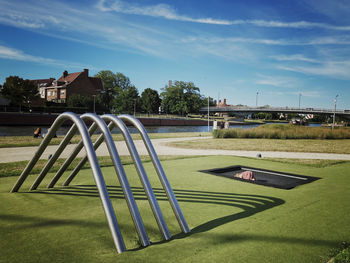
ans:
(71, 157)
(115, 121)
(101, 186)
(162, 177)
(53, 159)
(130, 200)
(76, 170)
(141, 173)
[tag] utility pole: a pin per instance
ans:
(208, 114)
(134, 107)
(299, 100)
(335, 108)
(256, 101)
(94, 102)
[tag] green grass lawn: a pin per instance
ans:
(22, 141)
(298, 145)
(231, 221)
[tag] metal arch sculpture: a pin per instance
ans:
(86, 142)
(115, 121)
(100, 183)
(154, 157)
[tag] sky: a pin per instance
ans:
(250, 52)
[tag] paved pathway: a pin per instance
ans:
(26, 153)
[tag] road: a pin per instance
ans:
(26, 153)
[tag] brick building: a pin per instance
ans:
(42, 84)
(73, 83)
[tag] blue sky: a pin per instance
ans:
(229, 49)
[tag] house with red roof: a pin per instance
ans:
(72, 83)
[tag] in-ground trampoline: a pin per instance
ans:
(262, 177)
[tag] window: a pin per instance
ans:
(49, 93)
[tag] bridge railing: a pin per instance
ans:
(274, 109)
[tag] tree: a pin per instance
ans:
(19, 91)
(77, 100)
(109, 80)
(126, 95)
(181, 98)
(150, 100)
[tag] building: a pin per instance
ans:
(223, 104)
(42, 84)
(72, 83)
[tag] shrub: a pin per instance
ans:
(343, 256)
(281, 131)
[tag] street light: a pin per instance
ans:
(299, 100)
(256, 102)
(208, 112)
(134, 107)
(335, 108)
(94, 102)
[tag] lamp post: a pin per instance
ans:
(256, 101)
(94, 102)
(208, 112)
(134, 107)
(299, 100)
(335, 108)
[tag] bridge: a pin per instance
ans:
(244, 111)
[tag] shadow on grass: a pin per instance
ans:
(250, 204)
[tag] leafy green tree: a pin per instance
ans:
(109, 80)
(77, 100)
(19, 91)
(181, 98)
(126, 95)
(150, 101)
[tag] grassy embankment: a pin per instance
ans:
(22, 141)
(230, 221)
(280, 131)
(285, 138)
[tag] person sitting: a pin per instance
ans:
(37, 133)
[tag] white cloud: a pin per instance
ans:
(85, 25)
(333, 69)
(309, 93)
(295, 57)
(18, 20)
(15, 54)
(167, 12)
(336, 40)
(159, 10)
(104, 28)
(278, 81)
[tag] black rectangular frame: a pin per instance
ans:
(264, 177)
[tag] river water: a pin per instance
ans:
(29, 130)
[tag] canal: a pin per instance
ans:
(28, 130)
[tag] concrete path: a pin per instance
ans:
(26, 153)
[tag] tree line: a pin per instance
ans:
(119, 95)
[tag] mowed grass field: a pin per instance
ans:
(231, 221)
(22, 141)
(297, 145)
